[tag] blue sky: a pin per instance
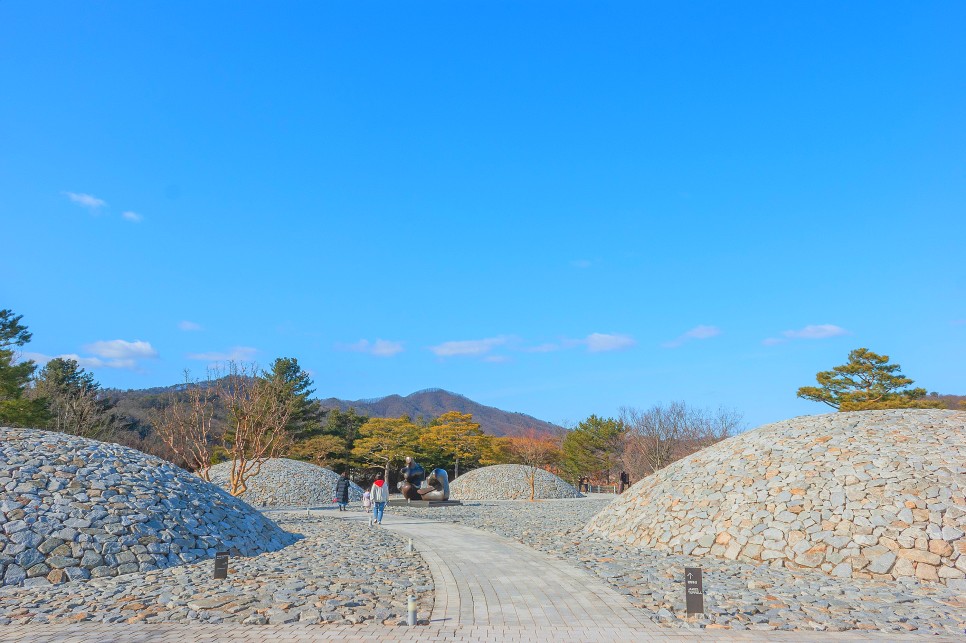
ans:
(559, 208)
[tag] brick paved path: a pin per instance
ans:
(483, 579)
(150, 633)
(488, 589)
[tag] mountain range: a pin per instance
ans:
(431, 403)
(426, 404)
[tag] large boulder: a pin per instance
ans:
(73, 508)
(509, 482)
(286, 483)
(870, 494)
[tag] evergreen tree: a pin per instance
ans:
(593, 447)
(75, 401)
(295, 385)
(868, 381)
(16, 409)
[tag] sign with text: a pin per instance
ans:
(693, 590)
(221, 564)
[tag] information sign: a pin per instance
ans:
(693, 590)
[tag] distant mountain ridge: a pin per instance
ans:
(433, 402)
(429, 403)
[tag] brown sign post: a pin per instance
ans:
(693, 590)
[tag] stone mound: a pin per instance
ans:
(287, 483)
(509, 482)
(870, 494)
(74, 508)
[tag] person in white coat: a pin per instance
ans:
(380, 496)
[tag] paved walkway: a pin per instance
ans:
(483, 579)
(487, 589)
(148, 633)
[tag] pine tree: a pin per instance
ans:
(15, 408)
(868, 381)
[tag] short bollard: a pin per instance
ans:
(411, 607)
(409, 546)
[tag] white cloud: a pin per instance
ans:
(132, 216)
(40, 358)
(188, 326)
(122, 349)
(543, 348)
(602, 342)
(469, 347)
(234, 354)
(698, 332)
(379, 348)
(386, 348)
(817, 331)
(820, 331)
(86, 200)
(83, 362)
(496, 359)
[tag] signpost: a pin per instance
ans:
(221, 564)
(693, 590)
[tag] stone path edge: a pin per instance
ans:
(173, 633)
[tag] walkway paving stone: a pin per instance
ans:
(483, 579)
(174, 633)
(488, 589)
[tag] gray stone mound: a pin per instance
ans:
(74, 508)
(286, 483)
(870, 494)
(509, 482)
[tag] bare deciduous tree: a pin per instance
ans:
(534, 450)
(185, 426)
(259, 410)
(660, 435)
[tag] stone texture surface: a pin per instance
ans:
(739, 596)
(336, 572)
(509, 482)
(870, 494)
(286, 483)
(75, 509)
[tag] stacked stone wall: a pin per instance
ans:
(73, 509)
(872, 494)
(286, 483)
(509, 482)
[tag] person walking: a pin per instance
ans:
(342, 491)
(380, 496)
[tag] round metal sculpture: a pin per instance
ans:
(437, 486)
(413, 475)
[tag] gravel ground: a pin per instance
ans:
(738, 595)
(338, 572)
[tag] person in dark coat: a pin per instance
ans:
(342, 491)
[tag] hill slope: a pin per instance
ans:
(432, 403)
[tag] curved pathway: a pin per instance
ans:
(484, 579)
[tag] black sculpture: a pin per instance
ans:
(413, 475)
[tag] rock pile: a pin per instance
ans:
(307, 583)
(73, 508)
(287, 483)
(871, 494)
(509, 482)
